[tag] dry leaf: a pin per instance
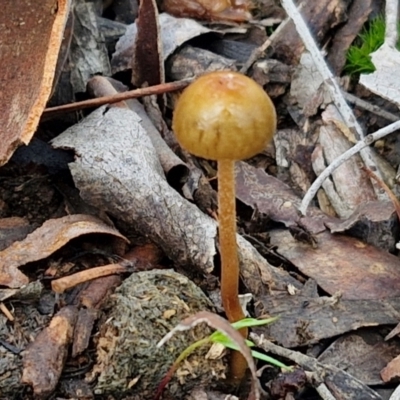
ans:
(305, 318)
(44, 241)
(362, 354)
(392, 370)
(148, 61)
(31, 37)
(339, 263)
(274, 198)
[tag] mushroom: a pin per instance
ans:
(225, 116)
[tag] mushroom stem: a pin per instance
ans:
(227, 241)
(229, 256)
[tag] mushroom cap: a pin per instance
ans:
(224, 115)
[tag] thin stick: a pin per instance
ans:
(260, 51)
(67, 282)
(370, 107)
(229, 256)
(132, 94)
(369, 139)
(6, 311)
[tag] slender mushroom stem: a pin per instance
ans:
(227, 241)
(229, 256)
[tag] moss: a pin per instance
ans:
(369, 40)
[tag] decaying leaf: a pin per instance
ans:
(374, 222)
(392, 370)
(147, 60)
(342, 263)
(320, 17)
(30, 31)
(44, 241)
(274, 198)
(307, 86)
(305, 318)
(362, 354)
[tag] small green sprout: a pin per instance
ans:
(369, 40)
(221, 338)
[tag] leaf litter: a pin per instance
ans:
(321, 284)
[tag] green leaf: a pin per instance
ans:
(270, 360)
(249, 322)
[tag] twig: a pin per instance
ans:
(304, 361)
(324, 392)
(260, 51)
(132, 94)
(6, 312)
(67, 282)
(337, 97)
(370, 107)
(369, 139)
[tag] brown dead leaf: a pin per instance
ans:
(375, 222)
(274, 198)
(305, 318)
(44, 241)
(147, 62)
(83, 330)
(31, 37)
(392, 370)
(44, 358)
(362, 354)
(343, 264)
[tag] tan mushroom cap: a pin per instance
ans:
(224, 115)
